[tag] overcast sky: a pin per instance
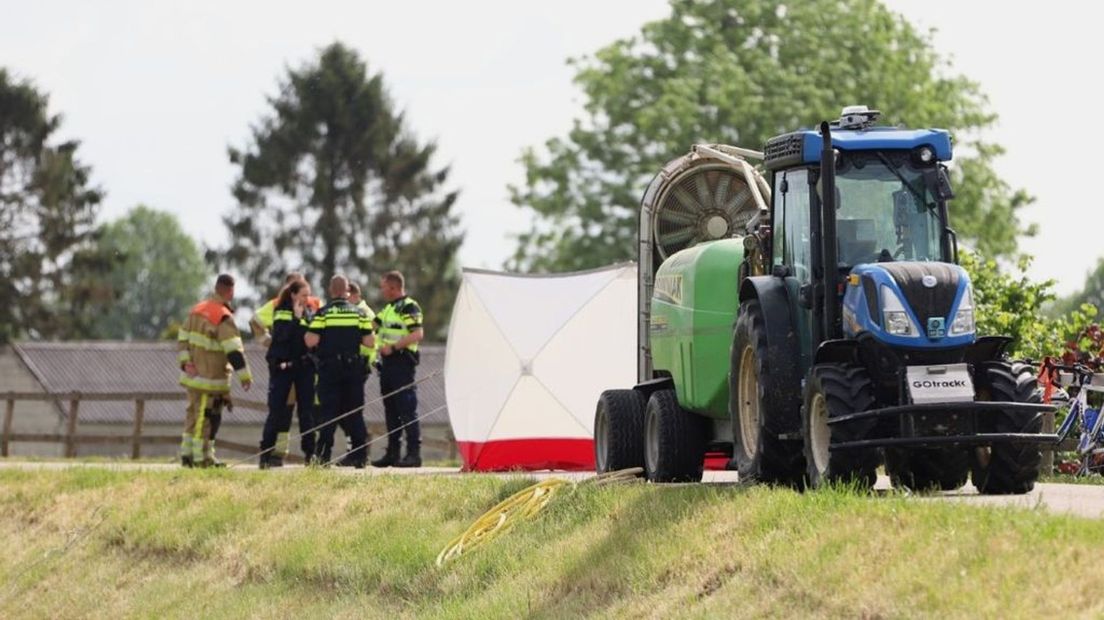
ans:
(156, 92)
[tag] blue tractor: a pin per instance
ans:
(856, 343)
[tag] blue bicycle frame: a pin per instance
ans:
(1090, 442)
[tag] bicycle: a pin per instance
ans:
(1090, 422)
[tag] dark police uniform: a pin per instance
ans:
(288, 365)
(398, 319)
(341, 326)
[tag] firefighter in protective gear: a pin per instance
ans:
(262, 325)
(399, 330)
(210, 349)
(290, 369)
(336, 333)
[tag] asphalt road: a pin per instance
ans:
(1078, 499)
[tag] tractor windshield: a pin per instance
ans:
(886, 211)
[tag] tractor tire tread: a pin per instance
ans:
(1012, 468)
(778, 461)
(847, 389)
(624, 411)
(681, 440)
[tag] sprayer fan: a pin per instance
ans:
(707, 202)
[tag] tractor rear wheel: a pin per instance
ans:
(619, 430)
(925, 469)
(831, 391)
(1007, 468)
(759, 414)
(674, 440)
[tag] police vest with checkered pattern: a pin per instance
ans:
(398, 319)
(341, 326)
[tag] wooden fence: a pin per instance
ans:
(71, 438)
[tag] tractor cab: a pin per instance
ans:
(887, 210)
(883, 226)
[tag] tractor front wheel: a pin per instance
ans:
(1008, 468)
(832, 391)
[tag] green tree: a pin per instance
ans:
(1012, 305)
(158, 273)
(334, 182)
(740, 72)
(48, 258)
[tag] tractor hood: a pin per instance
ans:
(925, 298)
(910, 304)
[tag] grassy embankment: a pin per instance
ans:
(303, 544)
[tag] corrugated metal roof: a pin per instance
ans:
(104, 366)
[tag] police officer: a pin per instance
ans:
(290, 369)
(336, 333)
(399, 328)
(368, 354)
(262, 325)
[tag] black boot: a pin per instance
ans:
(187, 461)
(387, 460)
(413, 458)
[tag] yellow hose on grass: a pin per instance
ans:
(520, 506)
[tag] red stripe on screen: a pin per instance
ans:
(535, 454)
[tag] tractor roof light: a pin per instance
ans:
(924, 155)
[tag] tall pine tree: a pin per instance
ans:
(334, 182)
(49, 261)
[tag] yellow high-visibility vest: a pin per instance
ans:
(397, 320)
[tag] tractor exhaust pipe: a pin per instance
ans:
(828, 241)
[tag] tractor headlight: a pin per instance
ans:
(963, 322)
(897, 323)
(895, 318)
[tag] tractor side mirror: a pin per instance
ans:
(939, 183)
